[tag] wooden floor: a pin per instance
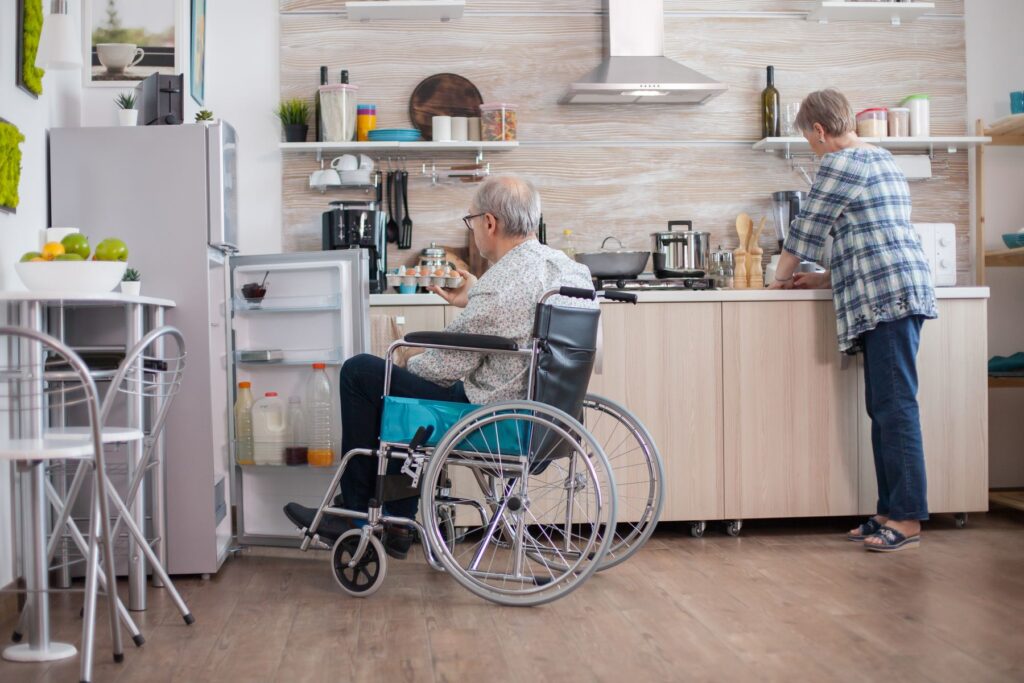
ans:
(792, 602)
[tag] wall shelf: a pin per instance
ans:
(1005, 258)
(418, 10)
(895, 13)
(320, 148)
(798, 145)
(1007, 131)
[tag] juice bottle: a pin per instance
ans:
(295, 453)
(243, 424)
(269, 430)
(319, 417)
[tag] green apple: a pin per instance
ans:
(69, 257)
(76, 243)
(111, 249)
(30, 256)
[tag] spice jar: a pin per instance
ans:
(498, 122)
(899, 122)
(366, 120)
(872, 123)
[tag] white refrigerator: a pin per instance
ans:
(170, 193)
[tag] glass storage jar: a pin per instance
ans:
(499, 121)
(872, 123)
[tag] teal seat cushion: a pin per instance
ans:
(403, 416)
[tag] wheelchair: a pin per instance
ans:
(519, 500)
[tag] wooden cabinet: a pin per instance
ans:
(790, 412)
(664, 363)
(406, 319)
(953, 395)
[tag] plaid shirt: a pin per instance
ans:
(879, 271)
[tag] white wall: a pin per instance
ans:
(995, 66)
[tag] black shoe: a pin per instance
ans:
(331, 527)
(397, 541)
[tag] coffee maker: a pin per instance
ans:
(359, 225)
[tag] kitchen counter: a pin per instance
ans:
(683, 296)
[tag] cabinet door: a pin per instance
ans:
(790, 412)
(664, 363)
(953, 396)
(407, 319)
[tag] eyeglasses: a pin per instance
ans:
(468, 220)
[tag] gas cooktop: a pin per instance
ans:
(657, 284)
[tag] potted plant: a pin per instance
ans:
(204, 116)
(127, 114)
(293, 114)
(131, 283)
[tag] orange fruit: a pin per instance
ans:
(52, 250)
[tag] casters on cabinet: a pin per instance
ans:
(961, 520)
(697, 529)
(734, 527)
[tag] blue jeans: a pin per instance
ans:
(890, 387)
(362, 401)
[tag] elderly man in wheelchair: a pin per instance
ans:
(517, 499)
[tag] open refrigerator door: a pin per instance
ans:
(289, 312)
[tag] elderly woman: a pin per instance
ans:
(883, 292)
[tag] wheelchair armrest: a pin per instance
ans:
(483, 342)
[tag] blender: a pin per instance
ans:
(785, 208)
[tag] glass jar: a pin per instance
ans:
(338, 112)
(899, 122)
(873, 123)
(498, 122)
(722, 268)
(920, 114)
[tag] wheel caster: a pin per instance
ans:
(367, 576)
(697, 529)
(734, 527)
(961, 520)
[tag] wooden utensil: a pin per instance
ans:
(743, 224)
(442, 95)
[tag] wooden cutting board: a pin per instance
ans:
(442, 95)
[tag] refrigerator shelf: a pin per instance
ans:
(288, 304)
(288, 356)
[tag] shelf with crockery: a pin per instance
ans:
(418, 146)
(949, 143)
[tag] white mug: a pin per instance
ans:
(442, 128)
(346, 162)
(117, 57)
(365, 163)
(460, 128)
(325, 177)
(474, 128)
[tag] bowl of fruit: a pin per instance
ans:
(71, 266)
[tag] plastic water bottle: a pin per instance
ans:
(295, 453)
(319, 413)
(243, 424)
(269, 429)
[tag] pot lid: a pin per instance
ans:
(433, 251)
(620, 250)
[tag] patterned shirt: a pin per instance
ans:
(503, 302)
(879, 271)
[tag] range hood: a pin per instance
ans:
(637, 70)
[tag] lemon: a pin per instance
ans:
(52, 250)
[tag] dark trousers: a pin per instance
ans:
(362, 400)
(890, 387)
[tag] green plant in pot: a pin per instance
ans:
(127, 114)
(131, 282)
(204, 116)
(294, 114)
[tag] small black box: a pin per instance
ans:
(159, 100)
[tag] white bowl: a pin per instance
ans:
(86, 277)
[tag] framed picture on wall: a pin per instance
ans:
(197, 51)
(29, 27)
(127, 40)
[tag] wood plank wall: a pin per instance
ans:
(604, 169)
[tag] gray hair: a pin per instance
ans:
(830, 108)
(514, 201)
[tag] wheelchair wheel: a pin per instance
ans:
(367, 576)
(638, 472)
(539, 494)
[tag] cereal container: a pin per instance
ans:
(872, 123)
(498, 122)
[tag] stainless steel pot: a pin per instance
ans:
(680, 251)
(614, 263)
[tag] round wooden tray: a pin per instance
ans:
(442, 95)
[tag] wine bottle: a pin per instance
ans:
(344, 76)
(770, 117)
(323, 81)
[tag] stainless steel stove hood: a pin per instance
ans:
(637, 70)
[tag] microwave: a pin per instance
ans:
(939, 243)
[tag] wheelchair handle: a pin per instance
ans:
(574, 293)
(626, 297)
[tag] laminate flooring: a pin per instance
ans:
(786, 601)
